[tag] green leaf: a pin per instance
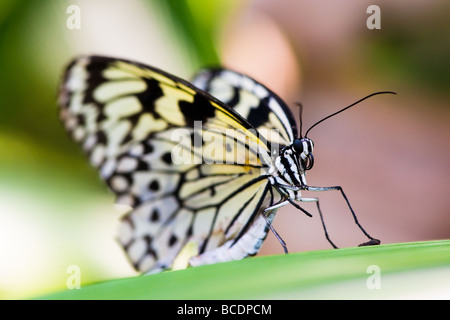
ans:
(406, 270)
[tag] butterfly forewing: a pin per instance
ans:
(191, 167)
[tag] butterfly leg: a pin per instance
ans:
(269, 223)
(268, 220)
(316, 200)
(290, 193)
(277, 205)
(285, 199)
(372, 241)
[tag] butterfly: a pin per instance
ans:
(204, 164)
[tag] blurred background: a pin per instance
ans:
(390, 154)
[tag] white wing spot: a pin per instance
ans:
(108, 168)
(127, 164)
(123, 107)
(119, 183)
(137, 150)
(147, 262)
(260, 91)
(233, 78)
(109, 90)
(248, 84)
(97, 155)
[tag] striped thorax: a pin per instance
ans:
(290, 167)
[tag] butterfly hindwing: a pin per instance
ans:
(192, 169)
(261, 107)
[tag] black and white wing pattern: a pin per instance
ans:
(261, 107)
(193, 169)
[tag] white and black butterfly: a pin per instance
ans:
(147, 132)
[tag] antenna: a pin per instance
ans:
(300, 106)
(337, 112)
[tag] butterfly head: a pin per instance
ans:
(303, 148)
(293, 162)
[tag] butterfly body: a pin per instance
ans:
(205, 163)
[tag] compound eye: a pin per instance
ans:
(298, 146)
(309, 161)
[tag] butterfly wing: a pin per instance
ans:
(260, 106)
(192, 169)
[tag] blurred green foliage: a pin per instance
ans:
(193, 23)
